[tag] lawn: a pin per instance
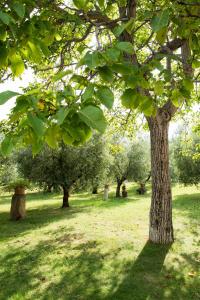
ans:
(98, 250)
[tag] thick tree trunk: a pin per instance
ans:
(118, 189)
(65, 197)
(18, 204)
(160, 228)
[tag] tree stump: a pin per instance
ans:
(142, 189)
(18, 204)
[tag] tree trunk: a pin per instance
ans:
(65, 197)
(49, 188)
(18, 205)
(95, 190)
(160, 228)
(118, 189)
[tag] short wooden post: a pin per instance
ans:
(18, 204)
(106, 190)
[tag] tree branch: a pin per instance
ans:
(167, 49)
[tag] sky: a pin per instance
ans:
(15, 86)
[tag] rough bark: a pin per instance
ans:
(18, 206)
(161, 227)
(65, 197)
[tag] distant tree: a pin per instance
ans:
(65, 167)
(98, 161)
(187, 159)
(131, 162)
(8, 170)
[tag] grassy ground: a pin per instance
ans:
(98, 250)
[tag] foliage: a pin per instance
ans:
(135, 57)
(187, 157)
(19, 182)
(8, 170)
(67, 166)
(131, 160)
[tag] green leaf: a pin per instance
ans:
(60, 75)
(93, 117)
(128, 26)
(5, 18)
(112, 54)
(106, 74)
(146, 105)
(35, 51)
(21, 104)
(52, 135)
(67, 138)
(177, 98)
(161, 35)
(3, 56)
(188, 84)
(6, 146)
(122, 69)
(160, 20)
(3, 34)
(17, 64)
(92, 60)
(36, 124)
(5, 96)
(130, 99)
(196, 64)
(106, 96)
(19, 9)
(79, 3)
(101, 3)
(89, 92)
(61, 115)
(36, 147)
(158, 88)
(125, 47)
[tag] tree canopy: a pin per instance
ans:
(87, 53)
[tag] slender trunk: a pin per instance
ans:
(49, 188)
(118, 189)
(160, 228)
(65, 197)
(95, 190)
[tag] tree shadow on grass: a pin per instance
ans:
(142, 279)
(149, 278)
(35, 219)
(69, 267)
(32, 197)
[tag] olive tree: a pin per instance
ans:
(130, 162)
(65, 166)
(187, 159)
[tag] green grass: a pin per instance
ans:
(98, 250)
